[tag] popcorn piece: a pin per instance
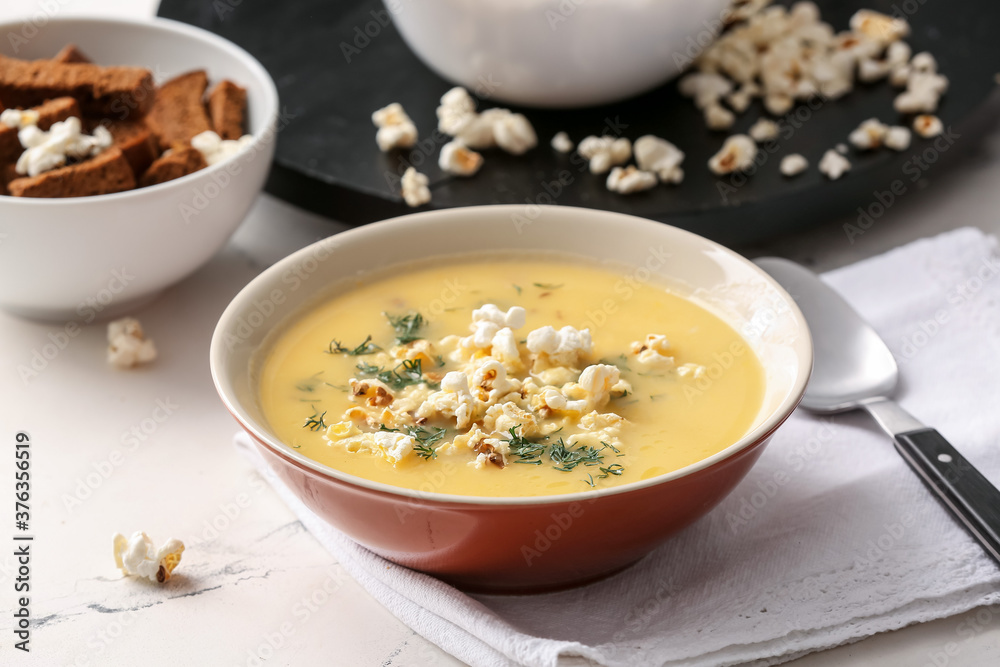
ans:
(628, 180)
(871, 70)
(216, 149)
(706, 89)
(739, 100)
(897, 138)
(879, 27)
(457, 159)
(49, 150)
(137, 556)
(415, 190)
(453, 400)
(562, 143)
(660, 157)
(487, 321)
(718, 117)
(764, 130)
(834, 165)
(597, 382)
(604, 152)
(841, 148)
(696, 371)
(394, 446)
(395, 129)
(372, 393)
(927, 126)
(514, 133)
(565, 347)
(870, 134)
(19, 118)
(653, 352)
(779, 104)
(490, 382)
(456, 111)
(478, 133)
(737, 154)
(127, 344)
(793, 165)
(924, 86)
(502, 417)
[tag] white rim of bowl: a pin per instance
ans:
(217, 353)
(168, 26)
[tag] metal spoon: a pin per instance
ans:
(852, 369)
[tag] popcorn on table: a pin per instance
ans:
(128, 345)
(660, 157)
(927, 126)
(137, 556)
(833, 165)
(415, 191)
(457, 158)
(395, 129)
(457, 117)
(793, 165)
(764, 130)
(216, 149)
(605, 152)
(562, 143)
(626, 180)
(873, 133)
(45, 151)
(737, 154)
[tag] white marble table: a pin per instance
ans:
(151, 450)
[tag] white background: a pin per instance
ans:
(247, 583)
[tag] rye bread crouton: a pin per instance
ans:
(132, 137)
(226, 105)
(178, 113)
(108, 91)
(106, 173)
(178, 162)
(71, 54)
(51, 111)
(8, 172)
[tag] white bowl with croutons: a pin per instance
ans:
(92, 257)
(559, 53)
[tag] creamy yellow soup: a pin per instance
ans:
(446, 378)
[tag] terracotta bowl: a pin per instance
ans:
(517, 544)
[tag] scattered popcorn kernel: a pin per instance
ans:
(415, 191)
(394, 446)
(127, 344)
(216, 149)
(604, 152)
(629, 179)
(927, 126)
(764, 130)
(793, 165)
(395, 129)
(841, 148)
(458, 159)
(781, 104)
(456, 110)
(834, 165)
(514, 134)
(562, 143)
(660, 157)
(705, 89)
(879, 27)
(897, 138)
(18, 118)
(869, 135)
(718, 117)
(737, 154)
(136, 556)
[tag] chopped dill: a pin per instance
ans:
(517, 287)
(440, 360)
(426, 438)
(407, 327)
(315, 422)
(567, 458)
(547, 285)
(613, 469)
(608, 445)
(309, 384)
(408, 372)
(365, 347)
(526, 451)
(589, 480)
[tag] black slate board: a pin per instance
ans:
(327, 160)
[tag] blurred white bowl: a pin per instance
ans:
(89, 258)
(558, 53)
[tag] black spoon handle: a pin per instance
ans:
(963, 489)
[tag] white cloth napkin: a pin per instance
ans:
(829, 539)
